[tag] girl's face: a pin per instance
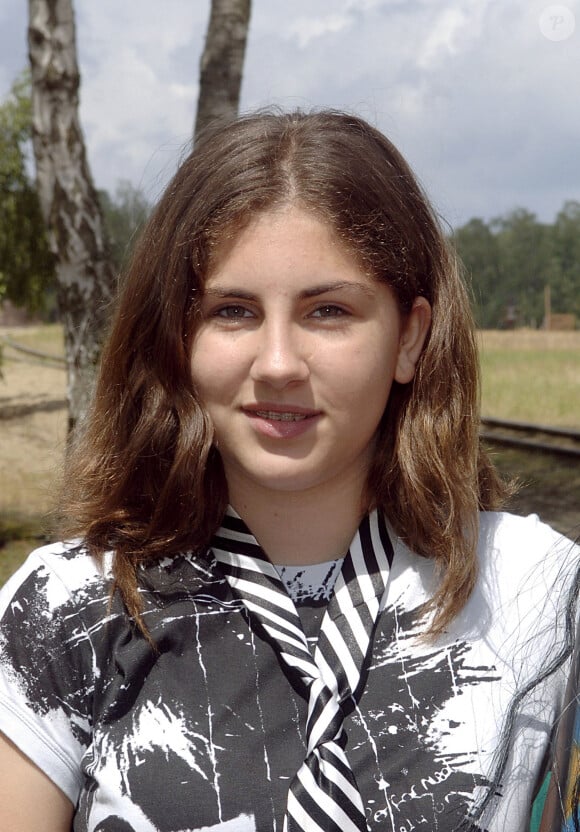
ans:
(295, 355)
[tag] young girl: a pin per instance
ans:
(288, 603)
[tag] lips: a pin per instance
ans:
(281, 422)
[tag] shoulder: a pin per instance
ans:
(527, 586)
(528, 575)
(524, 550)
(57, 571)
(509, 547)
(500, 528)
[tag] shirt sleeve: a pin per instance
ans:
(47, 663)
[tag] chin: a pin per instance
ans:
(280, 478)
(288, 483)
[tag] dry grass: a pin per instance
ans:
(14, 552)
(44, 337)
(534, 340)
(31, 446)
(532, 376)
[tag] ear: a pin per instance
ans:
(413, 334)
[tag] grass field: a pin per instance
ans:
(531, 376)
(31, 447)
(527, 375)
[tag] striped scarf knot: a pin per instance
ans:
(323, 796)
(325, 716)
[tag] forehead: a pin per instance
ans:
(288, 242)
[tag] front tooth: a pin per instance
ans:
(280, 417)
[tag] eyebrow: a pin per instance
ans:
(314, 291)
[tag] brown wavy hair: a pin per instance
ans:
(143, 478)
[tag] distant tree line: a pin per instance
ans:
(511, 259)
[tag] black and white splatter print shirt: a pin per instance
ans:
(208, 733)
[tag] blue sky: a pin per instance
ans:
(479, 95)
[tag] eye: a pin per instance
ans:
(329, 310)
(232, 312)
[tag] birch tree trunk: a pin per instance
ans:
(222, 61)
(67, 195)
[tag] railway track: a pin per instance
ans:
(538, 438)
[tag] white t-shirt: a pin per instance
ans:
(207, 733)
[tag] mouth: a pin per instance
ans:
(280, 423)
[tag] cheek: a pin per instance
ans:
(371, 369)
(216, 370)
(202, 370)
(361, 406)
(375, 375)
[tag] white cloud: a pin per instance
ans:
(483, 105)
(450, 32)
(307, 29)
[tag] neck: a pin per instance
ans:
(300, 528)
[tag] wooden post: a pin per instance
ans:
(547, 307)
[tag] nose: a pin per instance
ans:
(280, 355)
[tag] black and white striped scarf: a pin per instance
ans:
(323, 796)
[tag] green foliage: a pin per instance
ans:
(566, 257)
(124, 216)
(15, 129)
(479, 251)
(513, 258)
(27, 267)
